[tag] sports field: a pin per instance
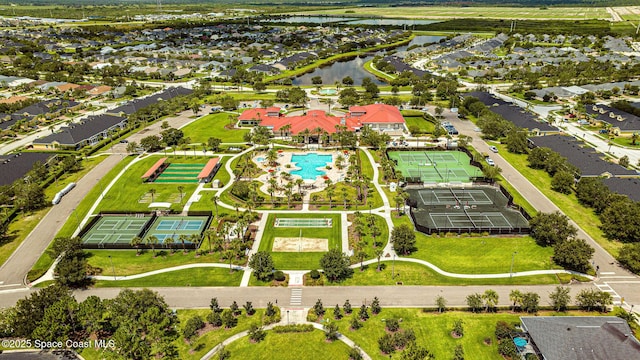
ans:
(304, 240)
(180, 173)
(434, 166)
(451, 12)
(467, 209)
(116, 232)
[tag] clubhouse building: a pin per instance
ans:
(380, 117)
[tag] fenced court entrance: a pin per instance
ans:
(465, 209)
(434, 166)
(303, 222)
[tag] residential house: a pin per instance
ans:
(85, 133)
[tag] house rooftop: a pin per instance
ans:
(582, 337)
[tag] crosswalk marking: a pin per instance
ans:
(296, 296)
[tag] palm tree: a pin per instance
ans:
(209, 233)
(318, 131)
(136, 242)
(169, 241)
(330, 194)
(378, 252)
(152, 192)
(180, 189)
(286, 128)
(183, 238)
(288, 191)
(299, 183)
(515, 296)
(272, 157)
(152, 241)
(490, 298)
(215, 198)
(306, 134)
(195, 239)
(229, 254)
(345, 196)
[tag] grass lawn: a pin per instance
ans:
(416, 274)
(583, 216)
(187, 277)
(425, 127)
(126, 262)
(129, 189)
(213, 125)
(479, 255)
(626, 141)
(289, 346)
(306, 260)
(367, 167)
(432, 332)
(367, 235)
(45, 261)
(321, 197)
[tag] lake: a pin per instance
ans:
(337, 71)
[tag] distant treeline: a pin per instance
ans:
(550, 27)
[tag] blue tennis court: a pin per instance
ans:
(179, 225)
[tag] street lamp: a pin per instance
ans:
(512, 258)
(393, 267)
(112, 268)
(101, 188)
(287, 317)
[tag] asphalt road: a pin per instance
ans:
(14, 270)
(396, 296)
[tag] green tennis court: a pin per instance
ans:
(435, 166)
(114, 231)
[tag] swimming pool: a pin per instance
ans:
(260, 159)
(308, 164)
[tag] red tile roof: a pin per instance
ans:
(376, 113)
(206, 171)
(154, 168)
(258, 113)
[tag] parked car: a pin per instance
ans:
(493, 148)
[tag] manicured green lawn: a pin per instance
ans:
(569, 204)
(304, 260)
(187, 277)
(425, 126)
(432, 332)
(213, 125)
(45, 261)
(367, 167)
(289, 346)
(129, 189)
(479, 255)
(126, 262)
(416, 274)
(367, 236)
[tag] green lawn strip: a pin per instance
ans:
(87, 165)
(584, 217)
(304, 260)
(416, 118)
(289, 346)
(200, 346)
(408, 273)
(368, 66)
(213, 125)
(432, 330)
(626, 141)
(517, 198)
(20, 227)
(222, 174)
(129, 189)
(322, 200)
(186, 277)
(126, 262)
(45, 261)
(479, 255)
(367, 238)
(367, 167)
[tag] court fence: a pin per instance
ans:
(470, 229)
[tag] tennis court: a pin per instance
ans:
(454, 197)
(303, 222)
(180, 173)
(114, 231)
(178, 228)
(464, 209)
(434, 166)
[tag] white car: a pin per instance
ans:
(493, 148)
(490, 162)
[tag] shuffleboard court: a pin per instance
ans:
(303, 222)
(180, 173)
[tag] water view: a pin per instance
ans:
(408, 22)
(310, 19)
(337, 71)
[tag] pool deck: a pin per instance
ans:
(311, 186)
